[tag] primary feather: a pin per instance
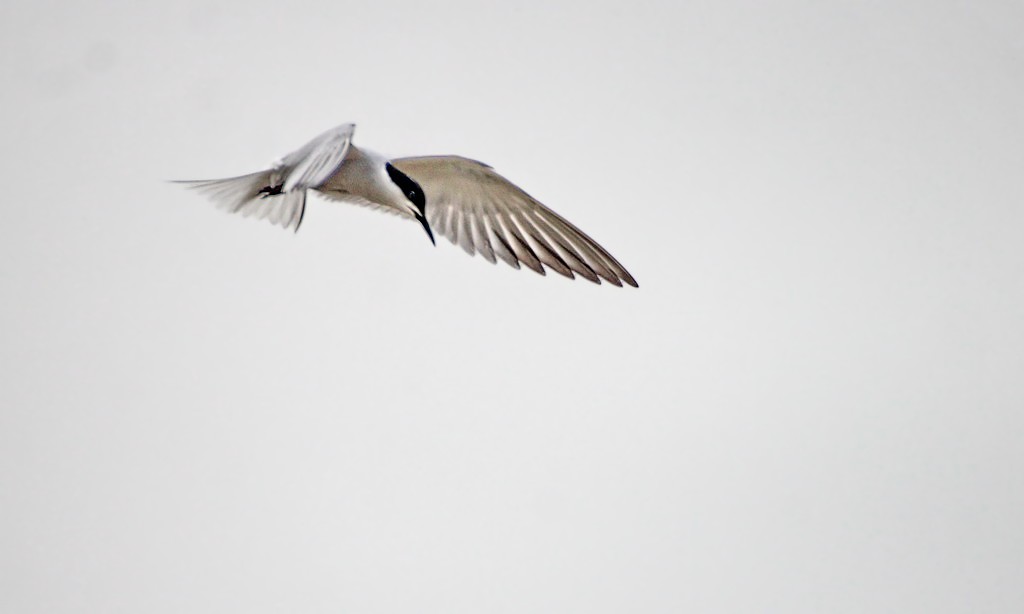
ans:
(481, 211)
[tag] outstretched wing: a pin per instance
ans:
(478, 209)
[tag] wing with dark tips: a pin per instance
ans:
(481, 211)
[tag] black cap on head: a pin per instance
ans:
(414, 193)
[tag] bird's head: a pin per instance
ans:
(413, 193)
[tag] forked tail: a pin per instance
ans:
(258, 194)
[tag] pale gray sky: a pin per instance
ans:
(813, 402)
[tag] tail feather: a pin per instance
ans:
(257, 194)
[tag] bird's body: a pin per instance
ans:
(363, 179)
(464, 200)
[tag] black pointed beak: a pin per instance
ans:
(426, 227)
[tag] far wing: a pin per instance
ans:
(316, 161)
(478, 209)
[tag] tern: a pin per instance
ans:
(462, 199)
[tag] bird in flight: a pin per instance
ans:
(461, 199)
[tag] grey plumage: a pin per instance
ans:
(481, 211)
(461, 199)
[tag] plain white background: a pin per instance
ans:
(813, 402)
